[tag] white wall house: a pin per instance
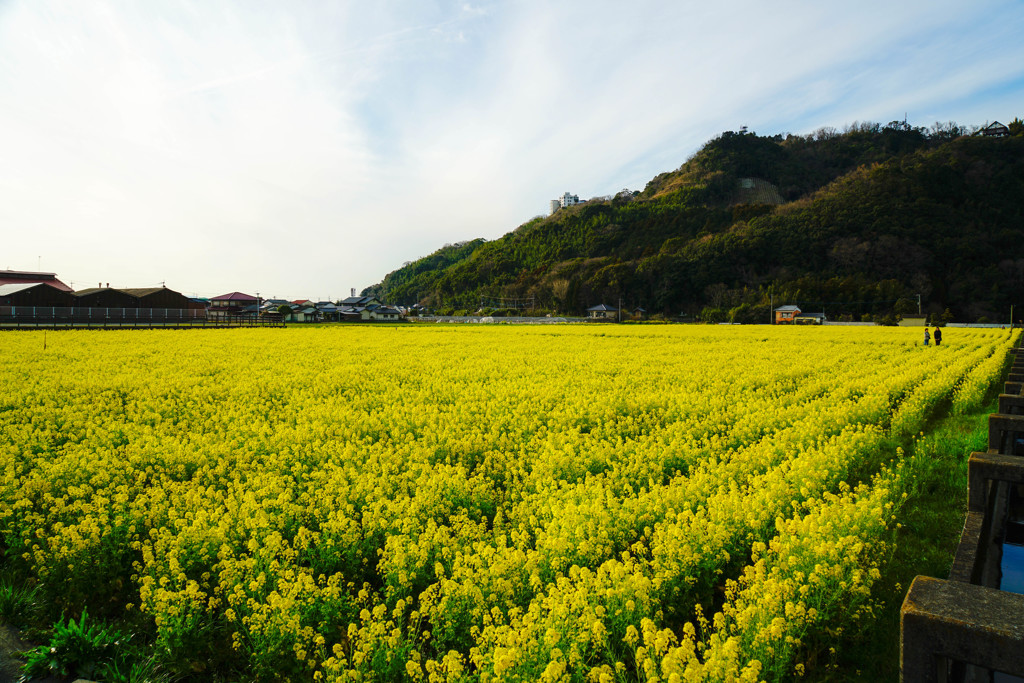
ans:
(564, 201)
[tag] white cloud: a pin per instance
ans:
(302, 150)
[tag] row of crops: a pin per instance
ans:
(471, 504)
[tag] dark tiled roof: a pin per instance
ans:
(145, 291)
(234, 296)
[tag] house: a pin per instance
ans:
(564, 201)
(351, 314)
(361, 301)
(232, 304)
(272, 305)
(602, 312)
(305, 314)
(994, 130)
(299, 311)
(376, 312)
(639, 313)
(35, 294)
(809, 318)
(384, 313)
(329, 311)
(569, 200)
(786, 314)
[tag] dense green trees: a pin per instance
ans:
(873, 214)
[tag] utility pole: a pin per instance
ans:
(919, 304)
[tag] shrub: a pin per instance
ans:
(888, 320)
(131, 670)
(17, 603)
(712, 315)
(77, 648)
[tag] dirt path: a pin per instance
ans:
(10, 665)
(10, 644)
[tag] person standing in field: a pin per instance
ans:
(926, 336)
(938, 336)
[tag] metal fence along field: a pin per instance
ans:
(472, 503)
(30, 317)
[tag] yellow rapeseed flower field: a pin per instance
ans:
(486, 503)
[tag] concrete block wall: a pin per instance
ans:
(965, 628)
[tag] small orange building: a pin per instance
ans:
(786, 314)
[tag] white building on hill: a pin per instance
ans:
(564, 201)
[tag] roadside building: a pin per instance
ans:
(810, 319)
(304, 314)
(602, 312)
(785, 315)
(233, 304)
(373, 313)
(35, 294)
(350, 314)
(105, 297)
(329, 311)
(384, 313)
(158, 297)
(272, 305)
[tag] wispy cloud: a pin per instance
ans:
(305, 149)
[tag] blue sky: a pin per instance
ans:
(300, 149)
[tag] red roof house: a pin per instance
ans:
(234, 303)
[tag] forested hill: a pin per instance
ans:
(859, 223)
